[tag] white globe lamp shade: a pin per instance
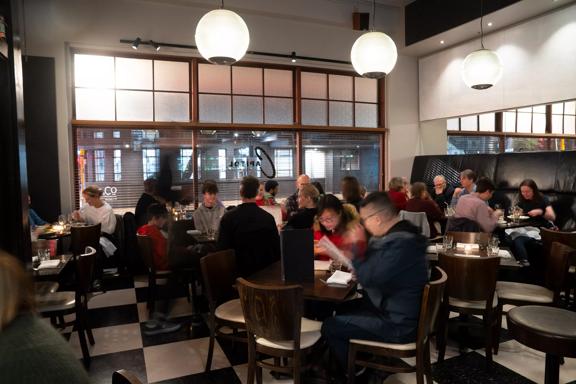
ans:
(222, 37)
(481, 69)
(374, 55)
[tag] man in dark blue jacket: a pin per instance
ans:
(392, 272)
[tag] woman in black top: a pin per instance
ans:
(307, 200)
(534, 204)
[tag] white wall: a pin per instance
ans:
(319, 28)
(539, 58)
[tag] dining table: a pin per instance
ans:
(51, 273)
(317, 290)
(507, 259)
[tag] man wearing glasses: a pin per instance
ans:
(442, 193)
(392, 272)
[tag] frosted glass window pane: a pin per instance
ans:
(313, 85)
(314, 112)
(557, 124)
(214, 109)
(213, 78)
(452, 124)
(539, 109)
(94, 104)
(340, 87)
(278, 111)
(247, 81)
(277, 82)
(469, 123)
(487, 123)
(525, 110)
(366, 90)
(133, 73)
(570, 108)
(509, 122)
(247, 109)
(524, 122)
(539, 123)
(340, 114)
(569, 122)
(366, 115)
(94, 71)
(171, 106)
(558, 108)
(171, 76)
(134, 105)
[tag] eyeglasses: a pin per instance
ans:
(364, 219)
(329, 219)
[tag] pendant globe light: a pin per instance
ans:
(481, 69)
(374, 53)
(222, 36)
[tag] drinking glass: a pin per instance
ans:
(62, 220)
(211, 234)
(335, 266)
(44, 254)
(439, 248)
(447, 241)
(493, 250)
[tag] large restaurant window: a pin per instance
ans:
(549, 127)
(140, 117)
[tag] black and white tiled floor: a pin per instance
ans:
(117, 317)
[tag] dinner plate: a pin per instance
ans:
(519, 217)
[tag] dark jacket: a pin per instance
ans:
(443, 199)
(252, 233)
(393, 274)
(303, 219)
(141, 211)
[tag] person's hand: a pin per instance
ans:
(76, 215)
(457, 192)
(499, 212)
(535, 212)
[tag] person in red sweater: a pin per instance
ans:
(397, 193)
(157, 218)
(421, 202)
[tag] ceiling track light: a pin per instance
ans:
(136, 43)
(222, 36)
(293, 57)
(481, 69)
(155, 45)
(374, 54)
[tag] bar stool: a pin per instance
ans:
(547, 329)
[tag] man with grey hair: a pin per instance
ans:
(468, 182)
(442, 192)
(290, 206)
(392, 271)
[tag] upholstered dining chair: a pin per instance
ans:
(419, 219)
(432, 296)
(481, 238)
(569, 239)
(219, 273)
(470, 290)
(276, 328)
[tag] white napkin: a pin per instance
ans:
(431, 248)
(321, 265)
(504, 254)
(473, 247)
(193, 232)
(339, 278)
(49, 264)
(466, 255)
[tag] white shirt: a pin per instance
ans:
(103, 215)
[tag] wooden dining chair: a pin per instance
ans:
(481, 238)
(470, 290)
(557, 263)
(124, 376)
(84, 236)
(219, 273)
(276, 328)
(569, 239)
(432, 296)
(58, 304)
(146, 249)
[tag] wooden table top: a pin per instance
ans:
(51, 272)
(318, 290)
(504, 262)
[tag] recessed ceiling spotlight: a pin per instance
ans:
(489, 23)
(441, 41)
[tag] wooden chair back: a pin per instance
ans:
(84, 236)
(85, 270)
(430, 305)
(125, 377)
(481, 238)
(272, 312)
(219, 273)
(146, 249)
(549, 236)
(470, 278)
(557, 266)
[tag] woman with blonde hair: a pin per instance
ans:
(31, 351)
(307, 200)
(96, 211)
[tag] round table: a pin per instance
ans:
(547, 329)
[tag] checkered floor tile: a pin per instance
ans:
(118, 318)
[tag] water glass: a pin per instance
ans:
(493, 250)
(335, 266)
(447, 241)
(211, 234)
(439, 248)
(44, 254)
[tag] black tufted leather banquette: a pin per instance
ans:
(553, 172)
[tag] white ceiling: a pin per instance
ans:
(501, 19)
